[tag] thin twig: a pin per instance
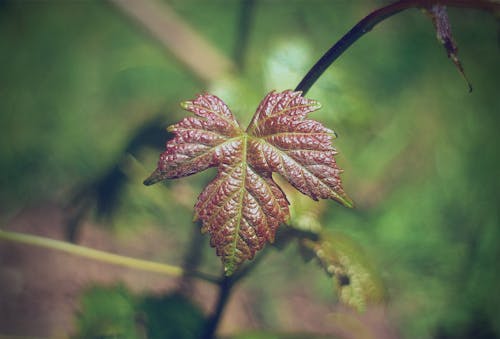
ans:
(372, 19)
(102, 256)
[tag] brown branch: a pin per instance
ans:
(190, 48)
(375, 17)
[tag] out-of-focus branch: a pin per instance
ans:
(110, 258)
(247, 12)
(367, 23)
(191, 49)
(225, 288)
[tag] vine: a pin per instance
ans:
(258, 152)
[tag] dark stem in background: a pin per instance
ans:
(226, 285)
(225, 288)
(372, 19)
(243, 32)
(192, 259)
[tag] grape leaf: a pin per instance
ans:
(199, 143)
(295, 147)
(243, 206)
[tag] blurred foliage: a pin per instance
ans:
(113, 312)
(355, 279)
(272, 335)
(106, 313)
(171, 316)
(357, 282)
(102, 77)
(419, 153)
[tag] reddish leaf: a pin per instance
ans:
(243, 206)
(297, 148)
(199, 143)
(241, 210)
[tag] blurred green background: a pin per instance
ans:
(78, 79)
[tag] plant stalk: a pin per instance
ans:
(102, 256)
(225, 288)
(372, 19)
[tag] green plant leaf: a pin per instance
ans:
(243, 206)
(170, 316)
(106, 312)
(356, 282)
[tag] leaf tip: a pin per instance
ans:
(155, 177)
(333, 134)
(315, 104)
(148, 182)
(346, 201)
(185, 105)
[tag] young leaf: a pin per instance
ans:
(439, 16)
(241, 209)
(200, 142)
(243, 206)
(297, 148)
(357, 284)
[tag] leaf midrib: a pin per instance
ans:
(244, 137)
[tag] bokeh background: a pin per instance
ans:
(86, 90)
